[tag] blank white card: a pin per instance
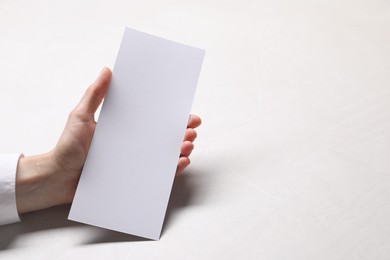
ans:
(130, 168)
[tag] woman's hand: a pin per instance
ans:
(51, 179)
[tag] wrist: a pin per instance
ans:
(34, 178)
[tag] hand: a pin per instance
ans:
(50, 179)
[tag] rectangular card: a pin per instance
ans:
(129, 171)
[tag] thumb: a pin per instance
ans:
(95, 93)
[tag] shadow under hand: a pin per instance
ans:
(56, 218)
(185, 192)
(46, 219)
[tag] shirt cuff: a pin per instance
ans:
(8, 166)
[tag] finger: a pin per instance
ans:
(190, 135)
(186, 148)
(182, 164)
(94, 95)
(194, 121)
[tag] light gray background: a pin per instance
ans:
(293, 158)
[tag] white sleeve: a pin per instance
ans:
(8, 210)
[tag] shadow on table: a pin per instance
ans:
(186, 191)
(47, 219)
(183, 192)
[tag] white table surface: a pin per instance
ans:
(292, 160)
